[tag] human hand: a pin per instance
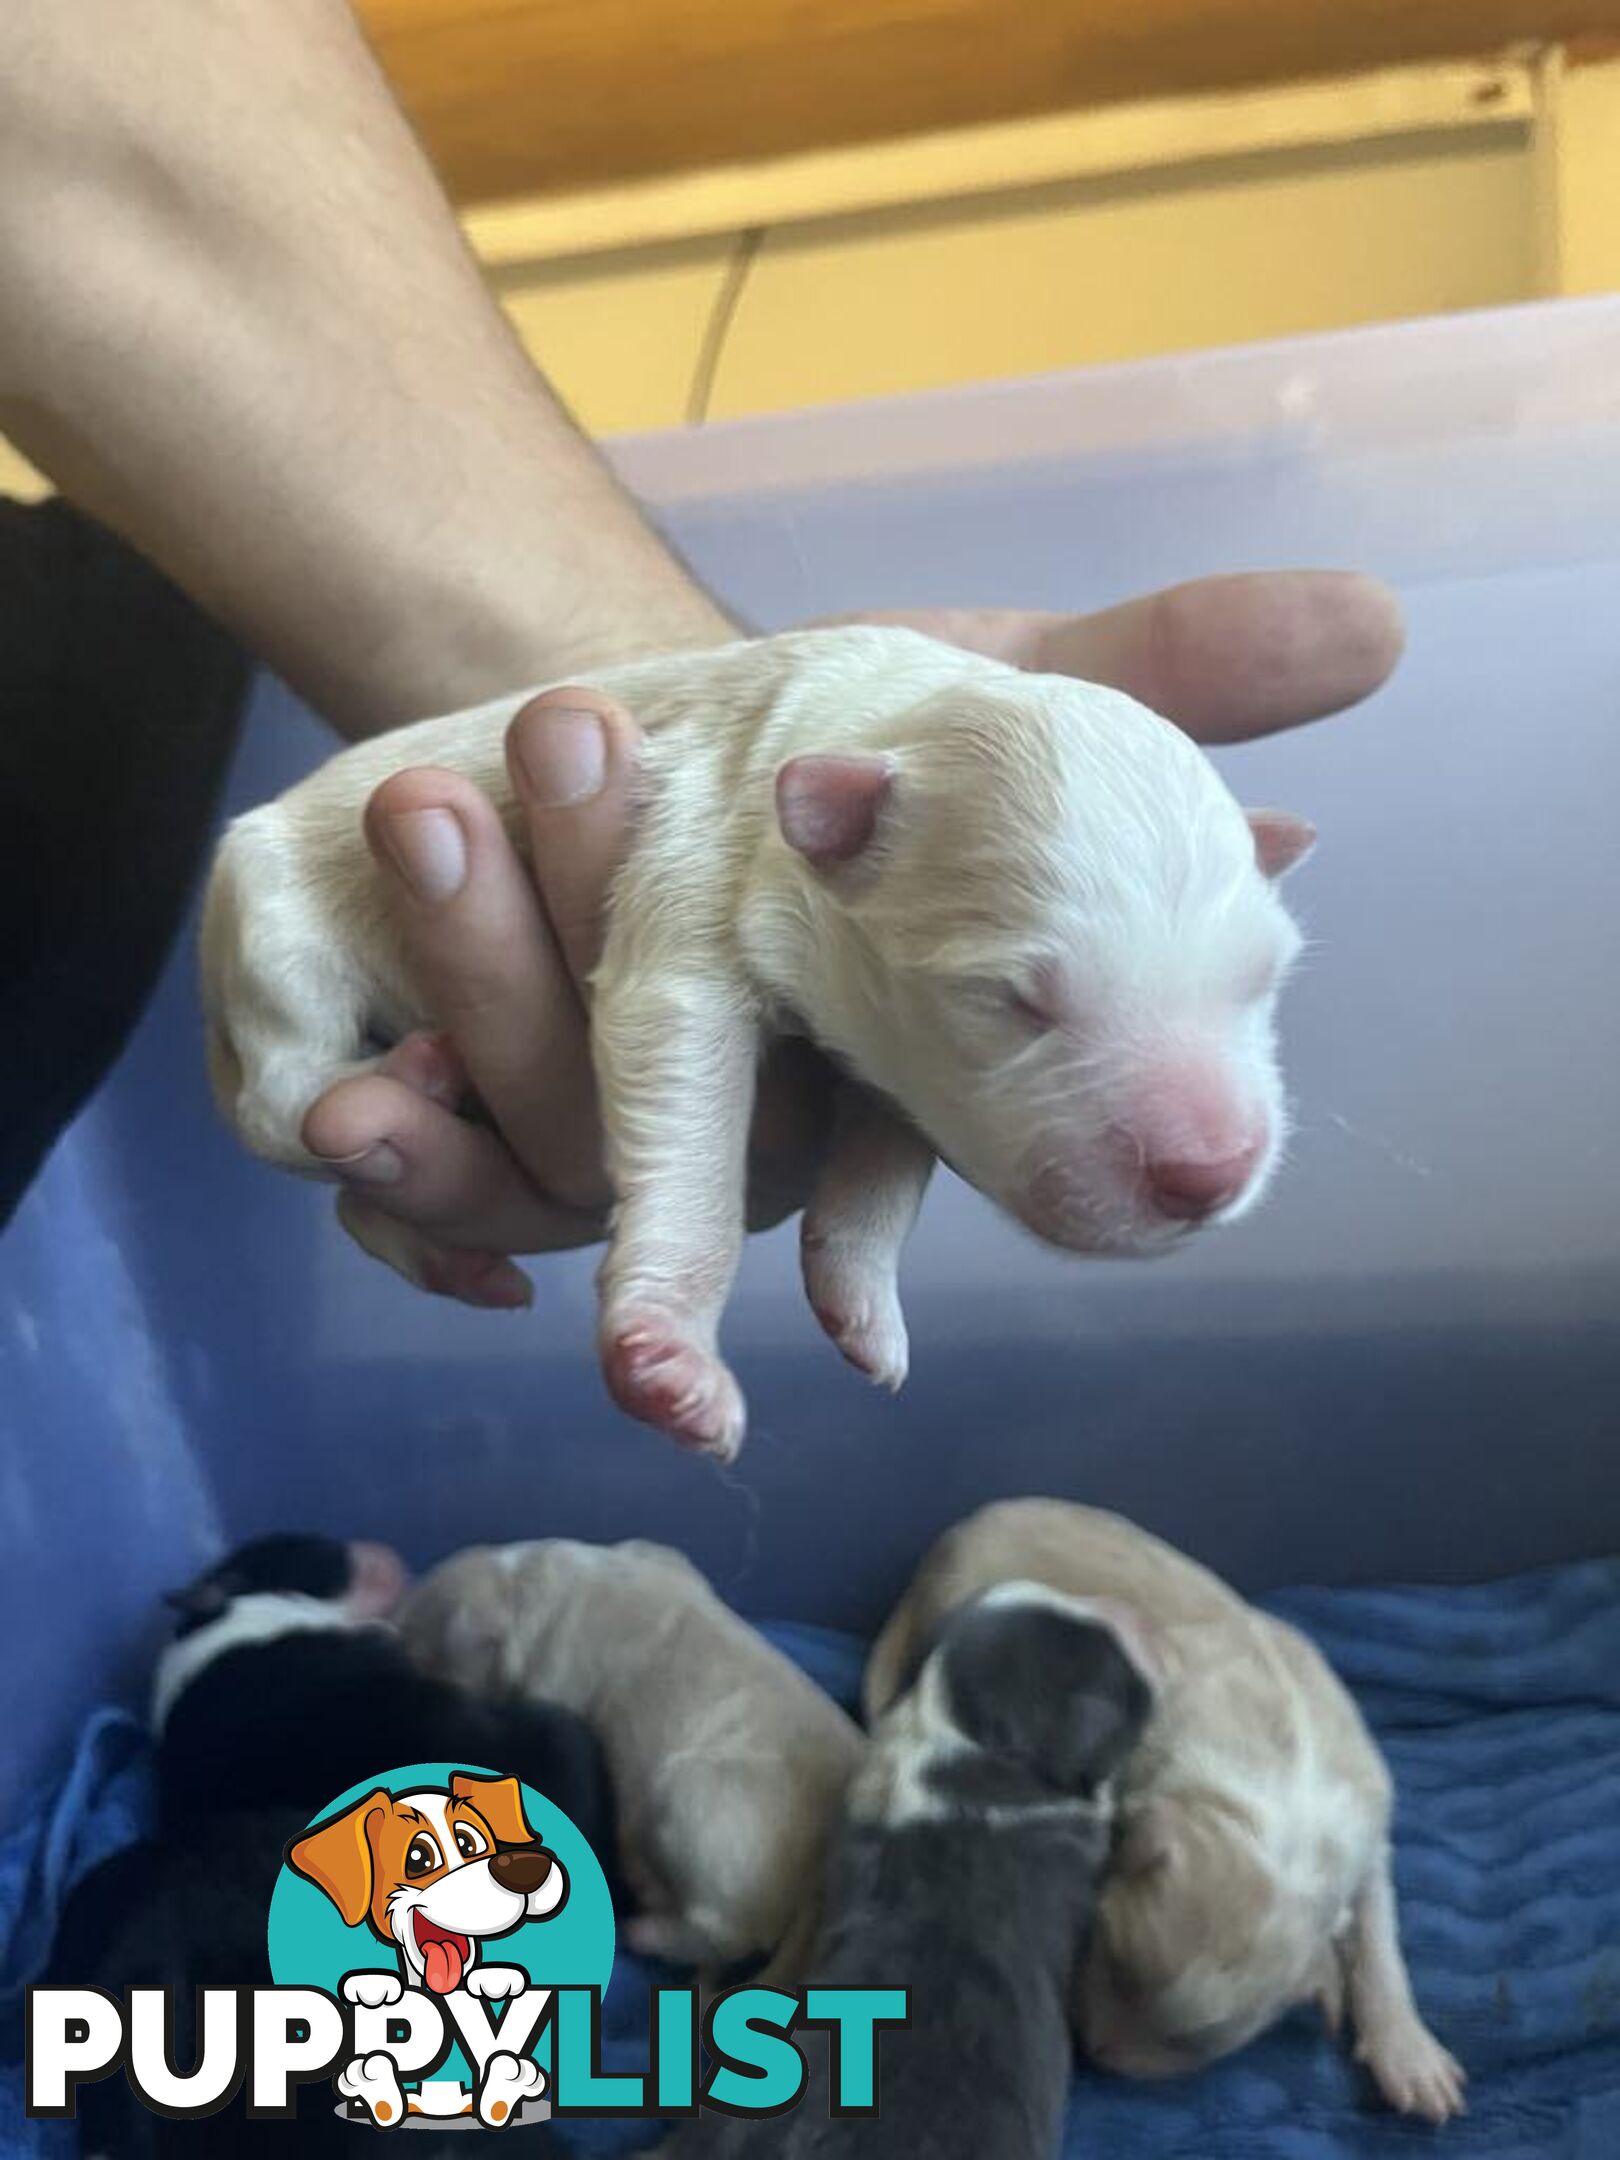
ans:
(465, 1145)
(502, 957)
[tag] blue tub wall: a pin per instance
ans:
(1408, 1364)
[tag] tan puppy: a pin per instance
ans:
(1252, 1870)
(729, 1765)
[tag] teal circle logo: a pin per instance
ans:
(452, 1882)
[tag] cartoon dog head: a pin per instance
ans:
(434, 1872)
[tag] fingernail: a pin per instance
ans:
(381, 1164)
(502, 1288)
(429, 851)
(484, 1280)
(563, 755)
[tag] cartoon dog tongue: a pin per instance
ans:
(444, 1958)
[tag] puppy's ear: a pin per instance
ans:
(1281, 839)
(828, 808)
(337, 1856)
(1049, 1688)
(500, 1801)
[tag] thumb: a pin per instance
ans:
(572, 753)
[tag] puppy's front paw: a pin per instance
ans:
(1413, 2071)
(372, 2081)
(658, 1374)
(493, 1982)
(509, 2080)
(372, 1990)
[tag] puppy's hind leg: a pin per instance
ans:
(675, 1063)
(855, 1228)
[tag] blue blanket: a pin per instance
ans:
(1499, 1709)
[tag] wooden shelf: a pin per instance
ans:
(525, 97)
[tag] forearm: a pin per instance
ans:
(238, 322)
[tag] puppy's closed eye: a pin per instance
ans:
(1041, 998)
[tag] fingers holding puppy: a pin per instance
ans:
(500, 958)
(503, 926)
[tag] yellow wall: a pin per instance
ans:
(620, 334)
(1194, 223)
(1580, 163)
(1110, 271)
(17, 476)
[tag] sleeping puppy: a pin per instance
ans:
(1022, 913)
(279, 1691)
(1253, 1863)
(729, 1765)
(283, 1683)
(978, 1826)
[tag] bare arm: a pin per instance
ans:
(239, 324)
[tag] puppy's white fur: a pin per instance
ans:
(259, 1616)
(1020, 910)
(730, 1766)
(1252, 1869)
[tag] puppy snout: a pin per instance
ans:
(1191, 1190)
(521, 1872)
(1199, 1139)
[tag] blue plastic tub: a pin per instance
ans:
(1408, 1365)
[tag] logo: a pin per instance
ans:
(440, 1941)
(443, 1907)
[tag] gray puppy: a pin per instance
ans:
(967, 1872)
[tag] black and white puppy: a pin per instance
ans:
(967, 1871)
(282, 1688)
(282, 1684)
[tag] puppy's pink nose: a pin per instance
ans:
(1192, 1191)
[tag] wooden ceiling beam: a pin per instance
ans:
(526, 97)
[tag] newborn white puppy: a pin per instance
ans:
(1021, 911)
(1252, 1870)
(729, 1766)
